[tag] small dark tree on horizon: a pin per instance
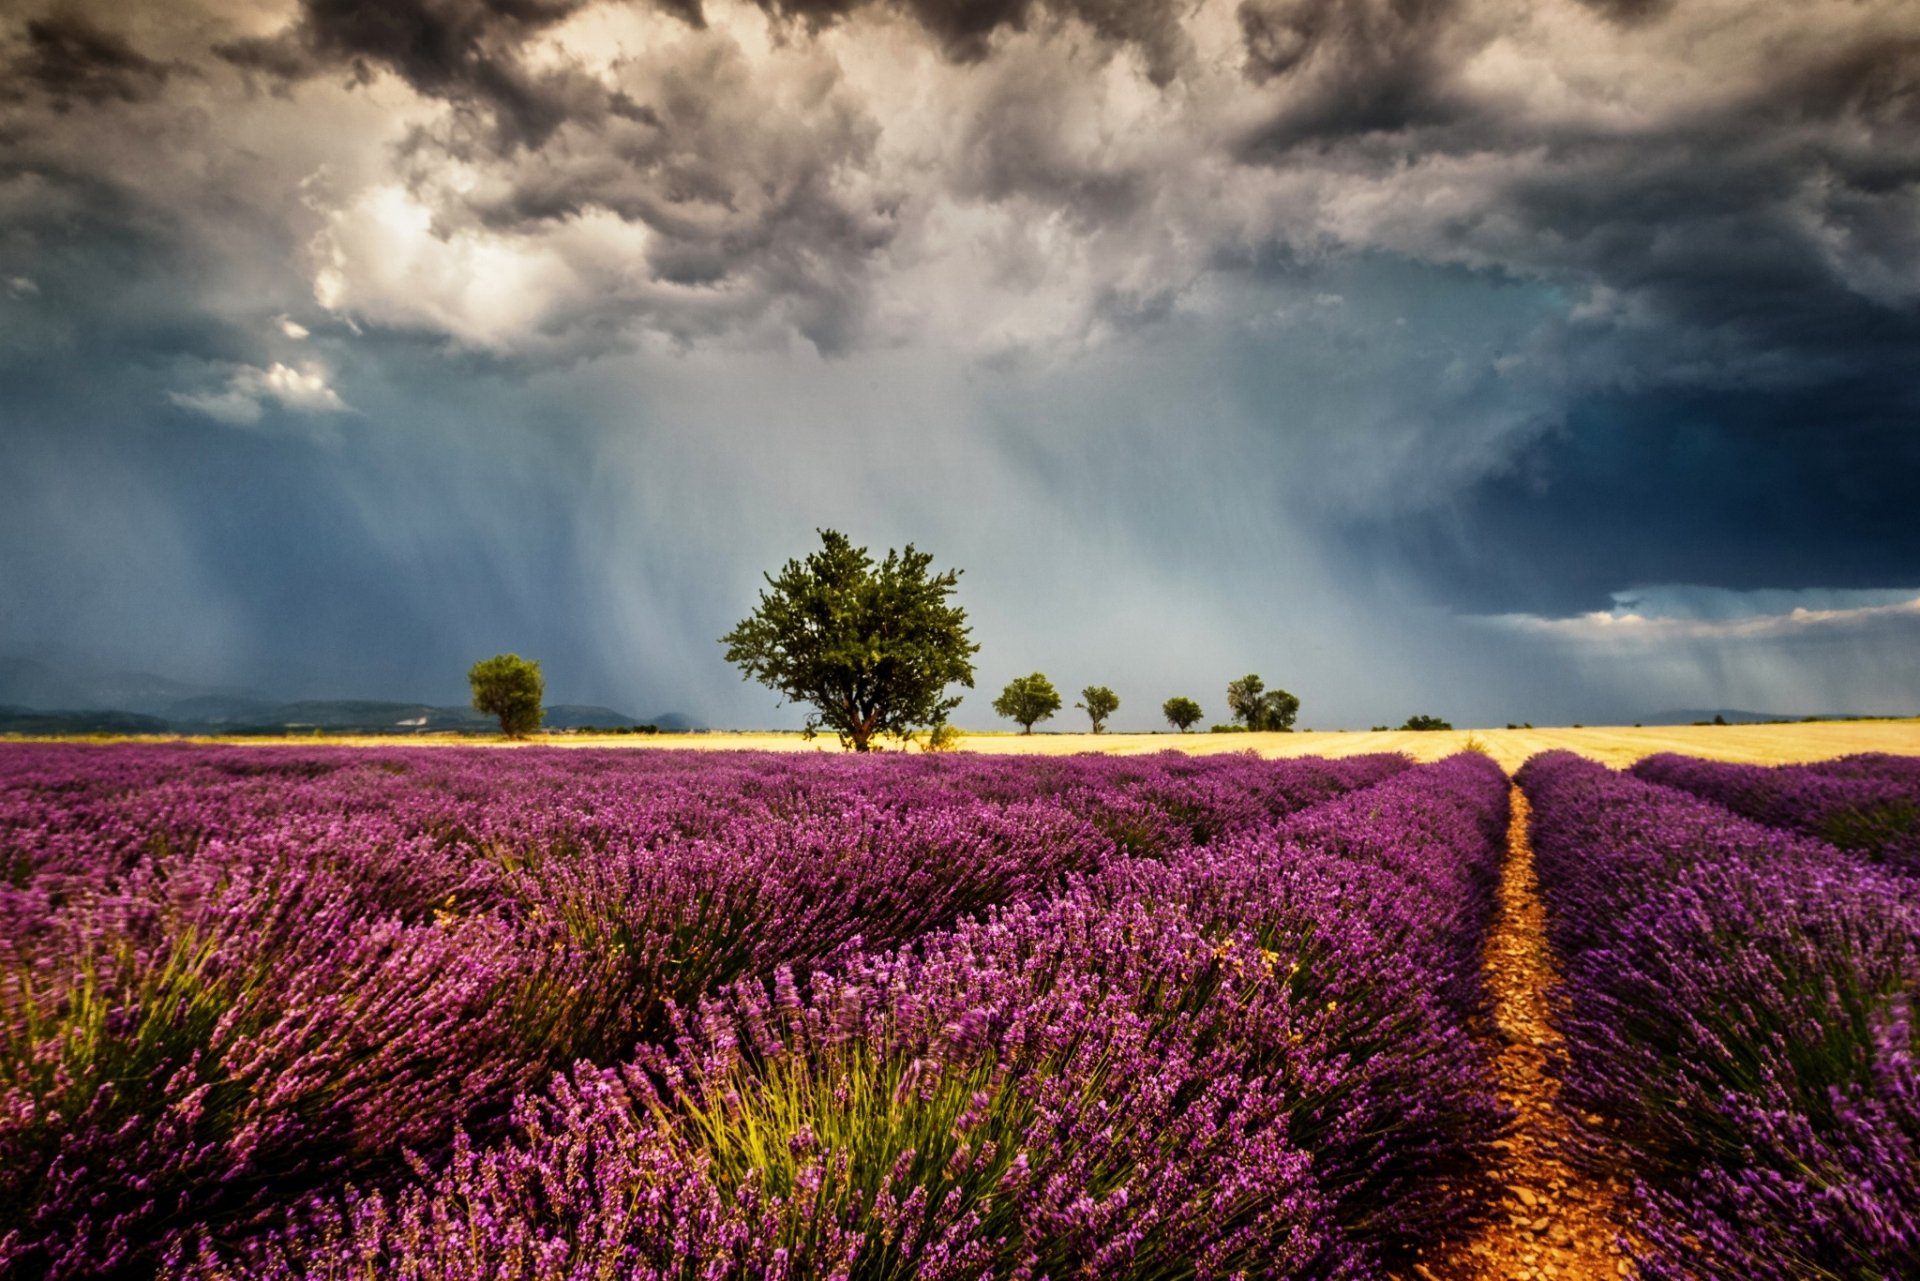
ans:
(871, 647)
(1426, 722)
(1098, 702)
(1181, 713)
(509, 687)
(1026, 700)
(1261, 708)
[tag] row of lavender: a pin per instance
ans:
(230, 974)
(1868, 803)
(1740, 1028)
(1242, 1059)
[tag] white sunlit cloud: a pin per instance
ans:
(1662, 615)
(248, 390)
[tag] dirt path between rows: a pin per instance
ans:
(1557, 1223)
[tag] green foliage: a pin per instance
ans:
(1181, 713)
(944, 737)
(1027, 699)
(1260, 708)
(509, 687)
(1098, 702)
(1426, 722)
(842, 1135)
(871, 647)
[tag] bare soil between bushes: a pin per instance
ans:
(1555, 1222)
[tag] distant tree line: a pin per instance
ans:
(873, 648)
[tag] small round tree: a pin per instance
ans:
(1027, 699)
(1181, 713)
(1098, 702)
(509, 687)
(1425, 722)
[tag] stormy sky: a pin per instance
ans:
(1504, 360)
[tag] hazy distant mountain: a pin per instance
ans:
(25, 720)
(38, 697)
(1734, 716)
(366, 716)
(42, 686)
(586, 716)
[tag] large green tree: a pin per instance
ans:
(1098, 702)
(1027, 699)
(1261, 708)
(872, 647)
(509, 687)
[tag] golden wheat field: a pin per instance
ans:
(1612, 745)
(1615, 745)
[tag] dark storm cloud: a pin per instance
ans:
(1744, 491)
(1631, 12)
(1349, 67)
(1780, 216)
(70, 60)
(965, 28)
(465, 51)
(1732, 385)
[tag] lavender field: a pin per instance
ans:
(280, 1012)
(1740, 1026)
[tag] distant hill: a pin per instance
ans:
(25, 720)
(36, 697)
(42, 686)
(586, 716)
(1734, 716)
(347, 716)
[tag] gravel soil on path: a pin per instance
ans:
(1555, 1222)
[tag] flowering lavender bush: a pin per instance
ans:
(1235, 1061)
(1866, 803)
(230, 974)
(1740, 1028)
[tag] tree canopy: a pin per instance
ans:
(872, 647)
(1098, 702)
(1181, 713)
(1261, 708)
(1426, 722)
(1027, 699)
(509, 687)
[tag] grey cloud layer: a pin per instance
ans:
(1764, 225)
